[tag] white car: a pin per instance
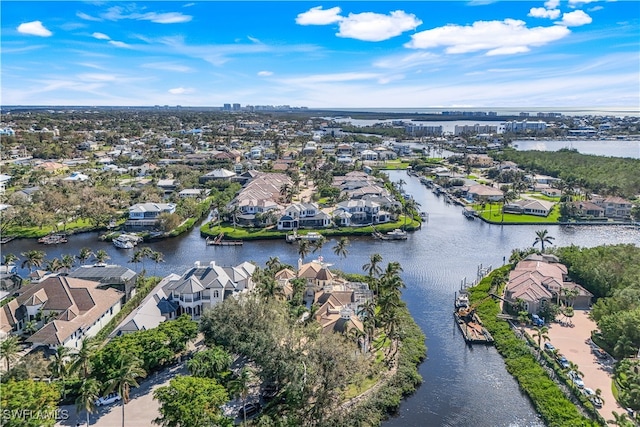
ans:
(576, 379)
(108, 399)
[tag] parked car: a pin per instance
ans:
(549, 347)
(591, 395)
(108, 399)
(537, 320)
(600, 353)
(576, 379)
(562, 361)
(249, 410)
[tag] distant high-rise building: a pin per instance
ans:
(227, 107)
(236, 107)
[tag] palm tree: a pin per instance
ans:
(541, 332)
(66, 262)
(33, 258)
(340, 248)
(620, 420)
(157, 257)
(303, 248)
(101, 256)
(235, 210)
(88, 393)
(59, 365)
(84, 255)
(507, 198)
(542, 237)
(9, 259)
(318, 244)
(53, 265)
(372, 267)
(401, 182)
(9, 349)
(410, 206)
(239, 387)
(82, 358)
(136, 258)
(574, 367)
(273, 264)
(125, 378)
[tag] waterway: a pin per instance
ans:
(462, 385)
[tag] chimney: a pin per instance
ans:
(196, 264)
(212, 264)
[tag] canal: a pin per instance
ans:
(462, 385)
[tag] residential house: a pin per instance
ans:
(204, 286)
(541, 279)
(614, 207)
(69, 309)
(4, 181)
(108, 275)
(303, 215)
(362, 211)
(146, 214)
(168, 186)
(193, 193)
(484, 193)
(588, 209)
(529, 207)
(217, 175)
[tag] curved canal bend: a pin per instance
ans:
(462, 385)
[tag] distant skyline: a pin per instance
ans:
(378, 54)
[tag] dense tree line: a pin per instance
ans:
(598, 174)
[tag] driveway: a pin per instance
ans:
(573, 342)
(140, 410)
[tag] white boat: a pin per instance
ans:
(123, 243)
(396, 234)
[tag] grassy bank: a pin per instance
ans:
(240, 233)
(386, 400)
(548, 399)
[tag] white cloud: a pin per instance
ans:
(319, 16)
(577, 2)
(253, 39)
(119, 44)
(541, 12)
(97, 77)
(265, 73)
(100, 36)
(496, 37)
(575, 19)
(595, 8)
(375, 27)
(180, 91)
(168, 66)
(116, 13)
(86, 17)
(34, 28)
(552, 4)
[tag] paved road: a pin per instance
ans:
(140, 410)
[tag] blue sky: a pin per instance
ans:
(359, 54)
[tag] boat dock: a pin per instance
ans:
(218, 241)
(53, 239)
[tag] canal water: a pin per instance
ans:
(462, 385)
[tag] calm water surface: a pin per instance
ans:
(463, 386)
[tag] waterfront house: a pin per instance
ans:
(204, 286)
(362, 211)
(108, 275)
(68, 309)
(484, 193)
(541, 279)
(614, 207)
(146, 214)
(529, 207)
(303, 215)
(588, 209)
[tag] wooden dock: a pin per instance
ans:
(219, 241)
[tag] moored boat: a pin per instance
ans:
(123, 243)
(53, 239)
(469, 322)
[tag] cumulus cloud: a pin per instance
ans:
(180, 91)
(265, 73)
(375, 27)
(34, 28)
(575, 19)
(552, 4)
(495, 37)
(100, 36)
(319, 16)
(541, 12)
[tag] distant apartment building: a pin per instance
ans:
(516, 126)
(474, 129)
(422, 130)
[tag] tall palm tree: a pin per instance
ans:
(303, 248)
(60, 365)
(239, 387)
(620, 420)
(541, 332)
(32, 258)
(318, 244)
(53, 265)
(84, 255)
(88, 393)
(125, 378)
(542, 237)
(101, 256)
(157, 257)
(507, 198)
(273, 264)
(410, 206)
(373, 266)
(401, 183)
(340, 248)
(9, 349)
(82, 358)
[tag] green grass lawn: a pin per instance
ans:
(36, 232)
(271, 233)
(541, 196)
(393, 165)
(494, 214)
